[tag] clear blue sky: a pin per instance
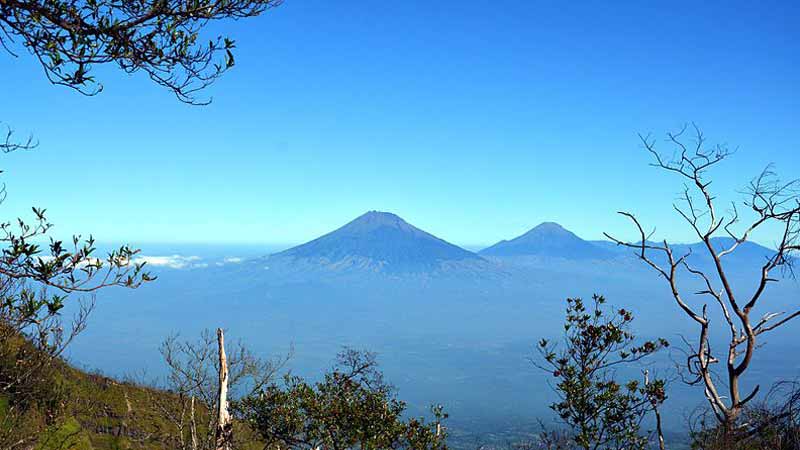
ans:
(473, 120)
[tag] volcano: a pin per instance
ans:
(379, 241)
(548, 239)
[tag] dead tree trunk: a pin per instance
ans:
(193, 426)
(224, 434)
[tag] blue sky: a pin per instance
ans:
(472, 120)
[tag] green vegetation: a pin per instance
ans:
(71, 409)
(43, 401)
(68, 434)
(599, 411)
(352, 407)
(92, 411)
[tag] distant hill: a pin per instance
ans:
(548, 239)
(747, 254)
(381, 242)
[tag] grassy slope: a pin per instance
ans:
(100, 413)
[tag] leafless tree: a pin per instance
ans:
(771, 204)
(194, 368)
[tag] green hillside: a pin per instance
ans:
(94, 412)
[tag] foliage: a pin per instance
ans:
(36, 281)
(38, 273)
(351, 408)
(159, 37)
(67, 435)
(33, 394)
(600, 412)
(68, 402)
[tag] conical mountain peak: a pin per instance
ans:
(548, 228)
(548, 239)
(379, 240)
(377, 219)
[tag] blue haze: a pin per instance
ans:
(447, 328)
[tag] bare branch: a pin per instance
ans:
(773, 203)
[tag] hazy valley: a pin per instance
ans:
(449, 325)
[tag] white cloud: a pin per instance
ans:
(172, 262)
(233, 260)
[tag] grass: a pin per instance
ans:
(92, 412)
(67, 435)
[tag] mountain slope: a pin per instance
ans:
(378, 241)
(548, 239)
(66, 408)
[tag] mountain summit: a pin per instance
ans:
(548, 239)
(379, 241)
